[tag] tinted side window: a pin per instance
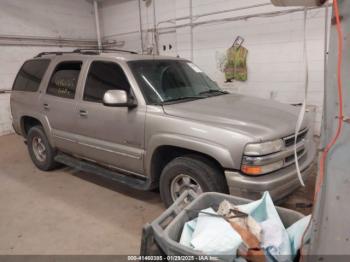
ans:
(30, 75)
(64, 79)
(104, 76)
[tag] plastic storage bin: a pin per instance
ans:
(162, 236)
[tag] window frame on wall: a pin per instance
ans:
(75, 89)
(100, 99)
(33, 90)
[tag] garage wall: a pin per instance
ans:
(275, 44)
(36, 19)
(119, 17)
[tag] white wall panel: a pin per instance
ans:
(40, 18)
(5, 123)
(65, 18)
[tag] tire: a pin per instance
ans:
(198, 169)
(44, 161)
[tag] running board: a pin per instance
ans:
(89, 167)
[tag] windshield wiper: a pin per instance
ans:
(211, 91)
(182, 98)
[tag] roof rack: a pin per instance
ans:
(51, 53)
(85, 51)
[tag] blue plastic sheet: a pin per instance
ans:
(212, 235)
(215, 236)
(296, 231)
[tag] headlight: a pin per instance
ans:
(265, 148)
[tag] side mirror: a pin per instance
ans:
(118, 98)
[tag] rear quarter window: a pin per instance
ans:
(30, 75)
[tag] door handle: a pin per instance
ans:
(83, 113)
(46, 106)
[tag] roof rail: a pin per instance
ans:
(67, 52)
(51, 53)
(84, 50)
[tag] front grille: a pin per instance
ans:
(290, 158)
(289, 141)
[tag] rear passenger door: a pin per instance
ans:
(112, 136)
(59, 104)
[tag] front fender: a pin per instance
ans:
(216, 151)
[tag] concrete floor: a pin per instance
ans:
(70, 212)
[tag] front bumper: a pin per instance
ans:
(279, 183)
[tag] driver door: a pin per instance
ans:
(111, 136)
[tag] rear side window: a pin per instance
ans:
(104, 76)
(30, 75)
(64, 79)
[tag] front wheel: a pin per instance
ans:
(190, 172)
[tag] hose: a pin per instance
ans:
(303, 106)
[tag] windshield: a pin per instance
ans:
(165, 81)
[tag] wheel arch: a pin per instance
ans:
(28, 121)
(162, 153)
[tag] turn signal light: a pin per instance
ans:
(252, 170)
(259, 170)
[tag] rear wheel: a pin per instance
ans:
(190, 173)
(40, 150)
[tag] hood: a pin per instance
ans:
(259, 118)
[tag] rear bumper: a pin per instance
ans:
(279, 184)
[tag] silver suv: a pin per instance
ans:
(150, 121)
